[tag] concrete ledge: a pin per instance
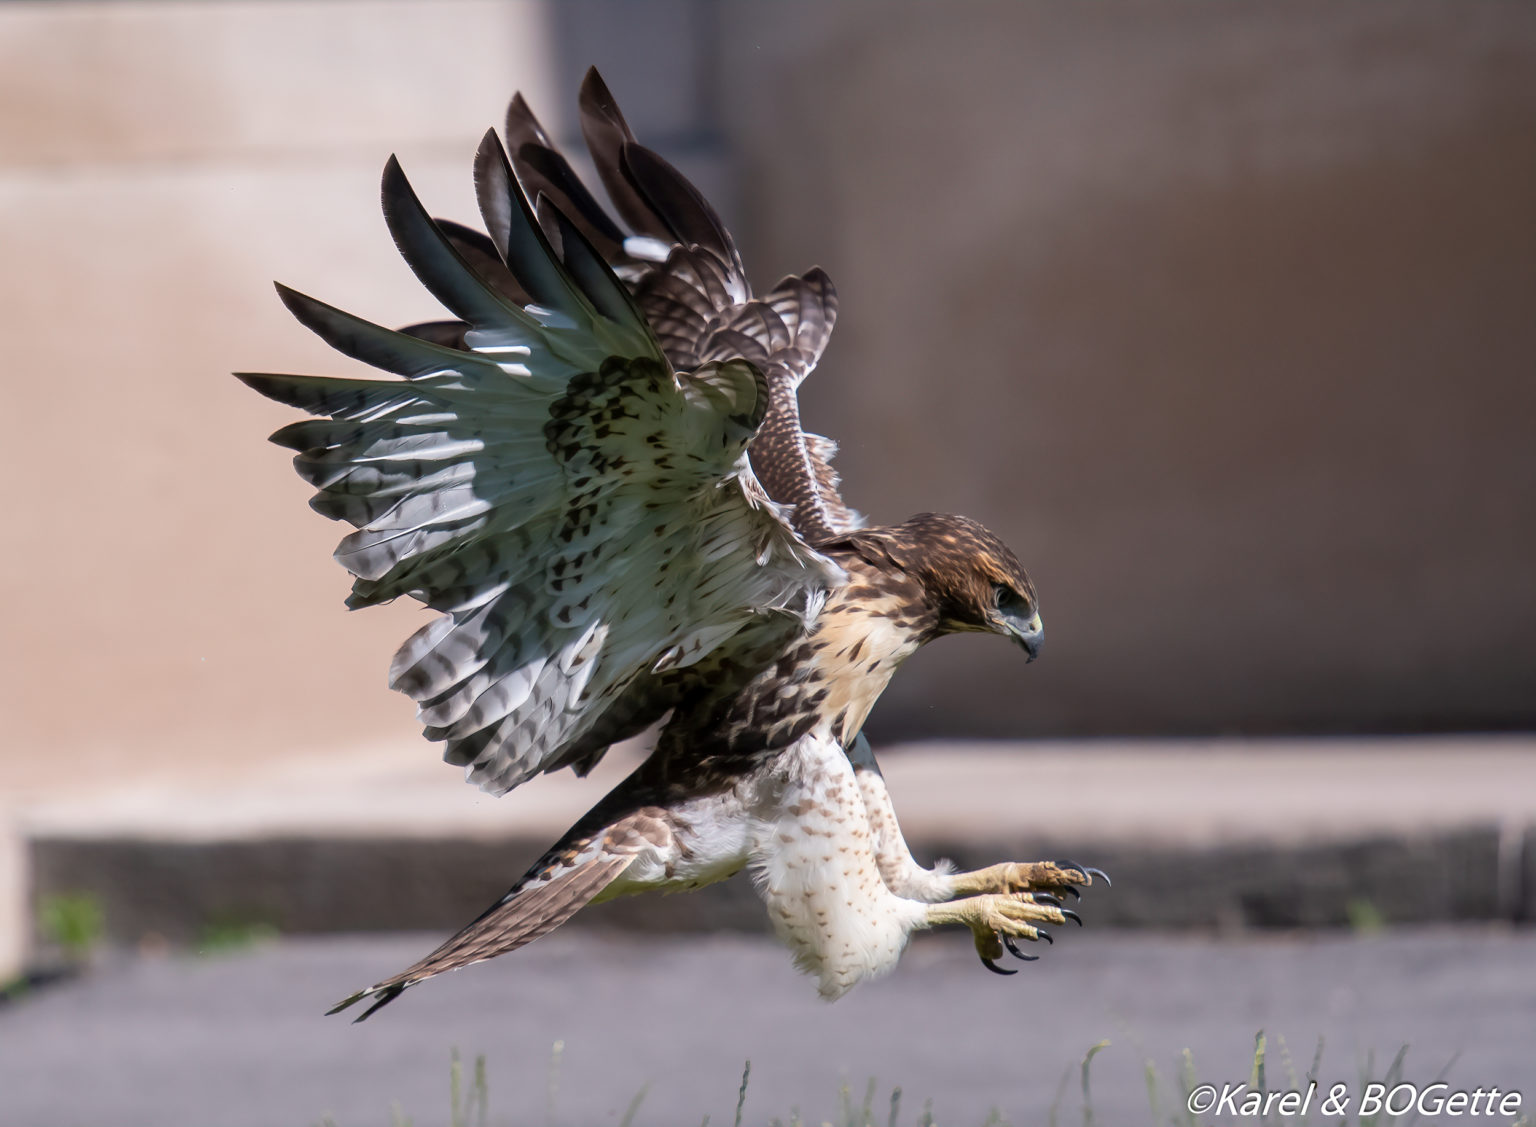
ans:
(404, 845)
(180, 890)
(183, 891)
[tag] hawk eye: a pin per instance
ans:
(1006, 599)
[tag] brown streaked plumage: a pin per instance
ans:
(597, 476)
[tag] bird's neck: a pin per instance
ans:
(868, 627)
(830, 678)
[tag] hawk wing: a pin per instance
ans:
(584, 517)
(685, 274)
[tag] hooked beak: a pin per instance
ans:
(1027, 632)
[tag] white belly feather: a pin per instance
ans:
(801, 825)
(815, 866)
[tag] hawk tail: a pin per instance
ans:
(553, 891)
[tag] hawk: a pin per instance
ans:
(596, 475)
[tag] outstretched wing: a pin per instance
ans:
(683, 270)
(584, 517)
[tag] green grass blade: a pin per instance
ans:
(552, 1089)
(634, 1106)
(1153, 1100)
(1061, 1090)
(455, 1089)
(741, 1095)
(1290, 1065)
(1395, 1069)
(1312, 1075)
(482, 1091)
(1087, 1100)
(1187, 1082)
(867, 1111)
(1441, 1075)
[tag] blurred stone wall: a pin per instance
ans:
(1224, 316)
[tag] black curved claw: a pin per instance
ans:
(1073, 916)
(1085, 870)
(1045, 898)
(1072, 888)
(994, 968)
(1017, 954)
(1041, 933)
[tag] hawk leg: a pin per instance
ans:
(1027, 876)
(997, 919)
(905, 877)
(825, 871)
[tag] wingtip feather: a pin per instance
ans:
(346, 1003)
(492, 186)
(595, 94)
(522, 126)
(383, 995)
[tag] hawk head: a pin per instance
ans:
(972, 581)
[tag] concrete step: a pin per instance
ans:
(1213, 834)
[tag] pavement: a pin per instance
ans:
(1369, 892)
(238, 1039)
(1217, 835)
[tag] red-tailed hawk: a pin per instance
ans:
(597, 475)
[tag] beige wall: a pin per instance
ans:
(172, 604)
(1222, 315)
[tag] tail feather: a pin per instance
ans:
(534, 908)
